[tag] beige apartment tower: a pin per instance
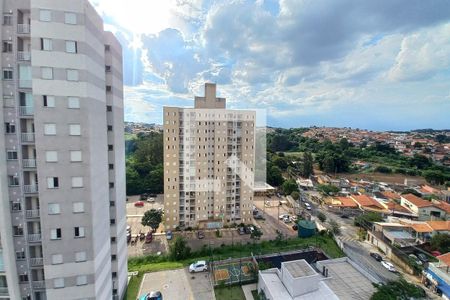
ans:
(62, 169)
(209, 161)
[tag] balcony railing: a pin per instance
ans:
(32, 213)
(29, 163)
(34, 237)
(27, 137)
(36, 261)
(25, 83)
(3, 291)
(30, 189)
(38, 284)
(23, 28)
(26, 110)
(23, 56)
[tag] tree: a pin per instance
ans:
(256, 233)
(178, 250)
(289, 186)
(400, 289)
(441, 242)
(420, 161)
(274, 176)
(434, 176)
(366, 219)
(328, 189)
(152, 218)
(322, 217)
(280, 162)
(295, 195)
(334, 227)
(307, 167)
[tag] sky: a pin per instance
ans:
(379, 65)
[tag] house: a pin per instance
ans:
(367, 203)
(343, 202)
(437, 276)
(399, 211)
(423, 209)
(393, 196)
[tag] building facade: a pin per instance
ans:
(62, 170)
(209, 161)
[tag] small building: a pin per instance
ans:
(437, 276)
(423, 209)
(367, 203)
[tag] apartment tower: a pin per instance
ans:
(62, 177)
(209, 159)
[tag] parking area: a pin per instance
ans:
(179, 285)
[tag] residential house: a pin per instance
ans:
(423, 209)
(437, 276)
(367, 203)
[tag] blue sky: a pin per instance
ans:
(381, 65)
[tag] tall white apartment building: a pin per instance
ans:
(62, 169)
(209, 161)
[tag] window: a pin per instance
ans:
(45, 15)
(51, 156)
(47, 73)
(77, 182)
(112, 221)
(7, 19)
(113, 257)
(108, 88)
(16, 206)
(108, 108)
(111, 185)
(71, 47)
(110, 147)
(49, 101)
(111, 166)
(72, 75)
(57, 259)
(58, 283)
(10, 128)
(52, 182)
(113, 239)
(46, 44)
(75, 156)
(50, 129)
(111, 203)
(81, 280)
(109, 128)
(8, 101)
(13, 180)
(54, 209)
(114, 274)
(74, 129)
(70, 18)
(107, 47)
(78, 207)
(7, 47)
(55, 234)
(11, 154)
(23, 278)
(20, 255)
(8, 74)
(107, 68)
(17, 231)
(80, 256)
(73, 102)
(79, 232)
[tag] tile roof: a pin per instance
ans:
(346, 202)
(421, 227)
(417, 201)
(367, 201)
(392, 206)
(444, 206)
(445, 258)
(439, 225)
(391, 195)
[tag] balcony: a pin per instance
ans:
(29, 163)
(23, 55)
(34, 238)
(32, 213)
(30, 188)
(26, 110)
(38, 284)
(23, 28)
(27, 137)
(36, 261)
(25, 83)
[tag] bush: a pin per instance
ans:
(179, 250)
(321, 217)
(383, 169)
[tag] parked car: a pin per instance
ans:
(251, 228)
(295, 227)
(198, 266)
(388, 266)
(422, 257)
(143, 196)
(258, 217)
(255, 212)
(247, 229)
(151, 200)
(169, 235)
(128, 237)
(435, 253)
(344, 216)
(241, 230)
(294, 218)
(128, 228)
(281, 217)
(200, 235)
(376, 256)
(139, 204)
(151, 296)
(149, 237)
(286, 219)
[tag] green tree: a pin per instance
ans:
(152, 218)
(366, 219)
(420, 162)
(322, 217)
(441, 242)
(289, 186)
(274, 176)
(398, 290)
(328, 189)
(256, 234)
(335, 228)
(307, 167)
(434, 176)
(295, 195)
(280, 162)
(179, 250)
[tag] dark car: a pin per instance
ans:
(200, 234)
(241, 230)
(143, 196)
(247, 230)
(344, 216)
(149, 237)
(376, 256)
(258, 217)
(295, 227)
(151, 296)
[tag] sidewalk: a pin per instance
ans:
(248, 288)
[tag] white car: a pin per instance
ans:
(281, 217)
(286, 219)
(151, 200)
(198, 266)
(388, 266)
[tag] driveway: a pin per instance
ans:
(179, 285)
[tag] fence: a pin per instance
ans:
(233, 271)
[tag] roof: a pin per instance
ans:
(391, 195)
(439, 225)
(417, 201)
(392, 206)
(445, 258)
(444, 206)
(346, 202)
(299, 268)
(421, 227)
(367, 201)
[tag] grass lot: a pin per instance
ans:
(229, 293)
(153, 263)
